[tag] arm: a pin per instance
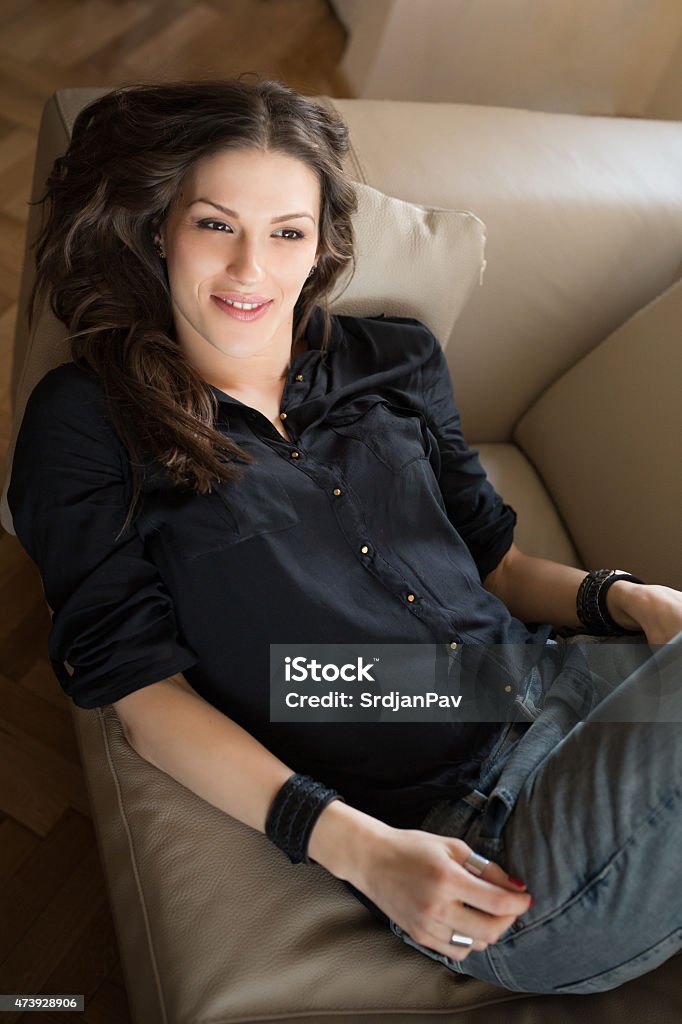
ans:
(416, 877)
(533, 589)
(113, 620)
(537, 590)
(168, 724)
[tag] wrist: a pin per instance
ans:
(342, 839)
(624, 600)
(592, 607)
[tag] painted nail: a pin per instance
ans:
(515, 881)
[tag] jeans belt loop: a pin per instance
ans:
(500, 806)
(476, 799)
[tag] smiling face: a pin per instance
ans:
(257, 252)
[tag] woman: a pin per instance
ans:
(224, 466)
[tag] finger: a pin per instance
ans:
(475, 923)
(482, 867)
(441, 943)
(498, 876)
(490, 897)
(459, 952)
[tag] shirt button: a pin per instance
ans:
(294, 455)
(507, 689)
(299, 376)
(453, 645)
(336, 492)
(410, 597)
(364, 549)
(282, 415)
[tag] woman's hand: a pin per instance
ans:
(418, 879)
(655, 609)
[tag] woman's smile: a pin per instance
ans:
(246, 315)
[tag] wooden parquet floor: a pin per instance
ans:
(56, 931)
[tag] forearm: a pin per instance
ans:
(183, 735)
(537, 590)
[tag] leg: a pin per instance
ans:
(587, 813)
(596, 832)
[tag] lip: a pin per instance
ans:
(241, 314)
(241, 297)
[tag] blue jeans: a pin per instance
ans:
(584, 808)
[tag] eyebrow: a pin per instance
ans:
(233, 213)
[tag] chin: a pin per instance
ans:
(237, 350)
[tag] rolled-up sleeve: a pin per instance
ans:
(485, 523)
(112, 617)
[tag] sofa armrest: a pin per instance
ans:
(605, 439)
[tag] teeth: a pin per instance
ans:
(244, 305)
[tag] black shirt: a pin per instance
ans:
(375, 523)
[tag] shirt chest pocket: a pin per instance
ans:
(396, 435)
(191, 525)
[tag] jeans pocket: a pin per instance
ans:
(644, 962)
(532, 696)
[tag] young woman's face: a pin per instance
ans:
(261, 252)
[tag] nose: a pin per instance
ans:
(244, 263)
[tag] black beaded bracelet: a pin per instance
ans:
(591, 602)
(293, 813)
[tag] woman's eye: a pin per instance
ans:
(293, 234)
(211, 223)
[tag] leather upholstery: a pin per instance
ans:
(583, 220)
(619, 407)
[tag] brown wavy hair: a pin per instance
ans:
(107, 196)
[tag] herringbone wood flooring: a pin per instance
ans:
(56, 932)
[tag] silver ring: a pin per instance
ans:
(476, 864)
(461, 940)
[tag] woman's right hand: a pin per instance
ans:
(418, 879)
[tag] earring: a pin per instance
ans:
(159, 248)
(312, 271)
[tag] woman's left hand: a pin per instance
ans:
(655, 609)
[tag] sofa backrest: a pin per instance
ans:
(584, 221)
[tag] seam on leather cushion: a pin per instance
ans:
(133, 862)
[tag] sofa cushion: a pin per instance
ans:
(590, 438)
(216, 925)
(435, 257)
(539, 530)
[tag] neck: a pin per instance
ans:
(263, 374)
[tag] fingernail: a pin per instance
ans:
(515, 881)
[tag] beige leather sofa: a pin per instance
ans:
(577, 421)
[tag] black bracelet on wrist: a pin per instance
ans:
(591, 602)
(293, 813)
